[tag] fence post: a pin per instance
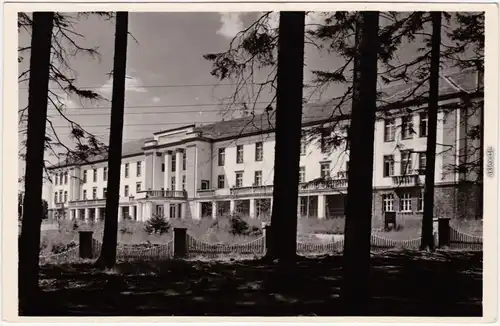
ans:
(444, 231)
(180, 242)
(266, 231)
(85, 249)
(435, 231)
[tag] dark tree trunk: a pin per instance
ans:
(29, 241)
(288, 133)
(427, 237)
(355, 289)
(107, 259)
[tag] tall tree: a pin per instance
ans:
(29, 241)
(356, 258)
(288, 133)
(433, 107)
(107, 259)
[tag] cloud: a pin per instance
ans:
(132, 84)
(156, 99)
(232, 23)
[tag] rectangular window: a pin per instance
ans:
(325, 170)
(406, 163)
(389, 130)
(94, 193)
(221, 156)
(104, 192)
(65, 196)
(423, 125)
(125, 191)
(205, 184)
(56, 179)
(239, 179)
(239, 154)
(184, 182)
(388, 202)
(84, 176)
(174, 163)
(65, 178)
(422, 163)
(94, 178)
(258, 178)
(302, 174)
(138, 187)
(163, 167)
(55, 198)
(407, 127)
(105, 174)
(84, 194)
(405, 202)
(126, 170)
(60, 196)
(221, 181)
(259, 151)
(303, 146)
(184, 159)
(326, 139)
(139, 168)
(172, 183)
(303, 206)
(61, 176)
(420, 202)
(388, 166)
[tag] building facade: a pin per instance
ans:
(213, 170)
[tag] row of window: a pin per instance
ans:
(407, 130)
(259, 154)
(406, 163)
(61, 178)
(405, 202)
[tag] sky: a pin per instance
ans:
(169, 82)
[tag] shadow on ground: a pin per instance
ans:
(404, 283)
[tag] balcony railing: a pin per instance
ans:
(324, 184)
(254, 190)
(86, 202)
(206, 192)
(407, 180)
(173, 194)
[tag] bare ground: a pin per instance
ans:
(404, 283)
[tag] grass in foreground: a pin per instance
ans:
(404, 284)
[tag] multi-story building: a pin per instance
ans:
(199, 171)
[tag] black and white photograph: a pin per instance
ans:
(258, 163)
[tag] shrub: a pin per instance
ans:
(157, 224)
(238, 226)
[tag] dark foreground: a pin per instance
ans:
(403, 284)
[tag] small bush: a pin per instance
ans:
(238, 226)
(157, 224)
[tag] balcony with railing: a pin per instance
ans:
(87, 202)
(161, 194)
(324, 184)
(253, 190)
(411, 179)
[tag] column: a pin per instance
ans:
(120, 213)
(183, 210)
(166, 210)
(214, 209)
(97, 215)
(321, 206)
(71, 214)
(178, 169)
(252, 208)
(199, 210)
(168, 169)
(148, 210)
(131, 212)
(87, 214)
(139, 211)
(77, 214)
(231, 206)
(298, 208)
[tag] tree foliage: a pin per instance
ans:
(66, 45)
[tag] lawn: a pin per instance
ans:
(404, 283)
